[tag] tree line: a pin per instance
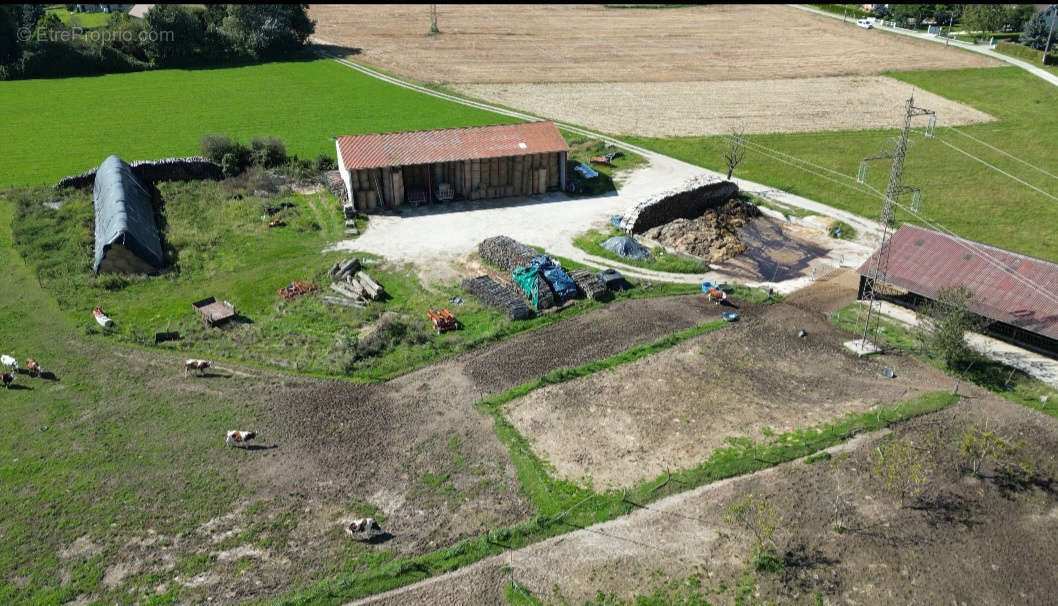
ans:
(35, 43)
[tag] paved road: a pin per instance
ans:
(984, 50)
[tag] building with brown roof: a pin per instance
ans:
(385, 171)
(1018, 293)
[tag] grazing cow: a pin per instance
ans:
(240, 437)
(363, 529)
(34, 369)
(196, 365)
(8, 379)
(10, 363)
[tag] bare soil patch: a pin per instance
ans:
(671, 410)
(675, 109)
(591, 43)
(968, 540)
(412, 452)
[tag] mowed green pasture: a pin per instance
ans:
(959, 192)
(53, 128)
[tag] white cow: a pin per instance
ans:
(10, 363)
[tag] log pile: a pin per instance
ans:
(546, 297)
(506, 253)
(345, 268)
(492, 293)
(588, 283)
(355, 286)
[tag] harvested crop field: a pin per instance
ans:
(844, 538)
(672, 109)
(592, 43)
(673, 409)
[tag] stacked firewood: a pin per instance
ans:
(492, 293)
(588, 283)
(506, 253)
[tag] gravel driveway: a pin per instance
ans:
(436, 235)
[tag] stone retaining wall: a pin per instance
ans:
(151, 171)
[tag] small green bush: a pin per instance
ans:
(325, 162)
(268, 151)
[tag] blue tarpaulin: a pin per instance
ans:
(559, 280)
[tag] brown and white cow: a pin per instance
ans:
(33, 367)
(363, 529)
(239, 437)
(196, 365)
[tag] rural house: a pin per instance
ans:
(127, 239)
(1018, 293)
(428, 166)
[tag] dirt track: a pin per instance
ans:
(591, 43)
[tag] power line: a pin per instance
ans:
(996, 263)
(997, 169)
(1009, 155)
(820, 175)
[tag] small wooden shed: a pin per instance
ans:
(384, 171)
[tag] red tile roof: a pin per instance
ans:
(1008, 287)
(449, 145)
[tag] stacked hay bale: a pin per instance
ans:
(589, 283)
(492, 293)
(506, 253)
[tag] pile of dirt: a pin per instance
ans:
(713, 236)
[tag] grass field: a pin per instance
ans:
(960, 193)
(66, 126)
(85, 20)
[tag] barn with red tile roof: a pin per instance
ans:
(383, 171)
(1018, 293)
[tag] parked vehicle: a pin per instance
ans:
(865, 23)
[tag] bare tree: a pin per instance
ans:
(433, 19)
(736, 151)
(905, 469)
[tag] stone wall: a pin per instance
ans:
(685, 202)
(152, 171)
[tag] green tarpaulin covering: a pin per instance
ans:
(526, 278)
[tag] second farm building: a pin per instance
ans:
(384, 171)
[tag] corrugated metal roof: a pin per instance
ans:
(1008, 287)
(449, 145)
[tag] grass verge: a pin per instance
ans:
(661, 260)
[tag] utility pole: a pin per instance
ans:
(433, 19)
(947, 38)
(1053, 12)
(879, 268)
(844, 12)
